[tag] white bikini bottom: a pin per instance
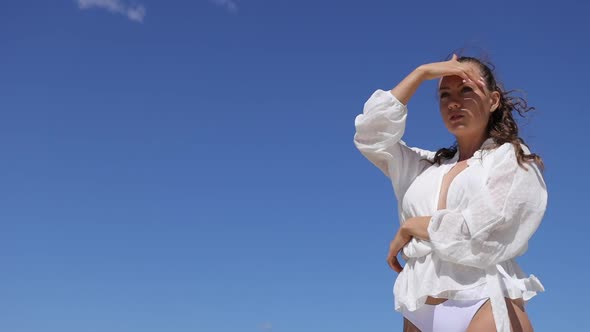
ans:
(449, 316)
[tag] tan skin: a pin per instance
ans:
(462, 91)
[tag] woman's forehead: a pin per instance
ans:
(454, 80)
(450, 81)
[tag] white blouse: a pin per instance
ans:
(493, 208)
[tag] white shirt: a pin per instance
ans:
(493, 207)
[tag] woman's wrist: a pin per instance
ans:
(417, 227)
(420, 73)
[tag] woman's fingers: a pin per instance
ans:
(392, 260)
(475, 76)
(395, 246)
(465, 71)
(394, 263)
(453, 67)
(471, 75)
(464, 75)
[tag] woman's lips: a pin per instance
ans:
(456, 117)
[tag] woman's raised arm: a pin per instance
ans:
(379, 129)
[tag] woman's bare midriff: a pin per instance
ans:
(434, 300)
(438, 300)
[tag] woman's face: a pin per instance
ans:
(464, 106)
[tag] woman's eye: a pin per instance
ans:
(443, 95)
(466, 89)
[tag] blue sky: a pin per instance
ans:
(188, 165)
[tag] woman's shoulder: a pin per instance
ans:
(496, 155)
(508, 149)
(505, 156)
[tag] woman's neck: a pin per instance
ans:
(467, 145)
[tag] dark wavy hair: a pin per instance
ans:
(502, 127)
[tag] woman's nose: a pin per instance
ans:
(454, 105)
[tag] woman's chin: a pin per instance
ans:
(457, 129)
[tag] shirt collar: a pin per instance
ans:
(486, 145)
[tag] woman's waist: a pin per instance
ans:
(441, 280)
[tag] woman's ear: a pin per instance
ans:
(495, 101)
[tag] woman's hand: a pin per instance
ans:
(412, 227)
(408, 86)
(451, 67)
(396, 245)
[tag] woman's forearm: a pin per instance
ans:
(417, 227)
(408, 86)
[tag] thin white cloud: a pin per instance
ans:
(133, 12)
(230, 5)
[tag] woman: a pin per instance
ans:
(466, 211)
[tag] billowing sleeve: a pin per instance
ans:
(379, 130)
(498, 221)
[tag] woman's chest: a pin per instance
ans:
(443, 186)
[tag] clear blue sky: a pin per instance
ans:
(189, 165)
